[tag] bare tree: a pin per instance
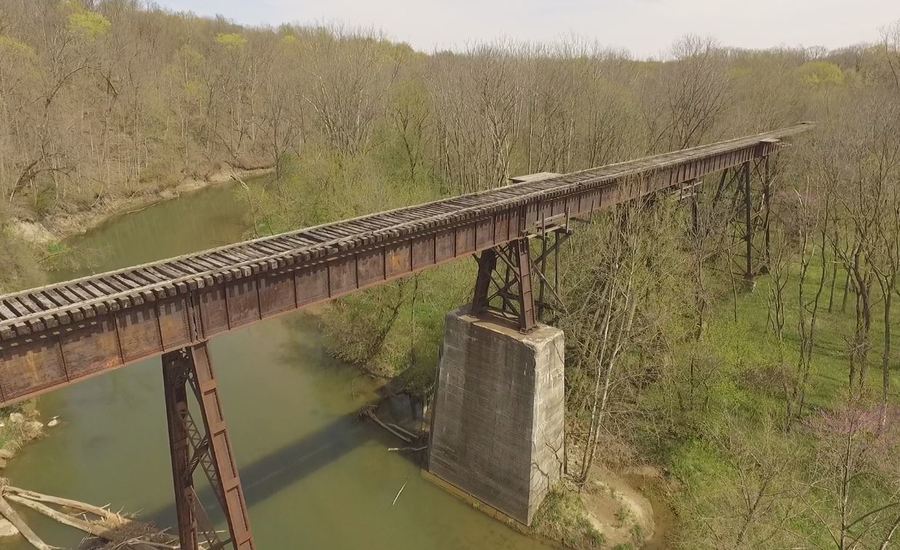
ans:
(477, 110)
(854, 451)
(891, 48)
(410, 115)
(350, 77)
(809, 222)
(690, 95)
(758, 497)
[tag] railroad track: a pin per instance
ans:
(48, 307)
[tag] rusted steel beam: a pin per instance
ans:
(62, 333)
(209, 449)
(521, 253)
(175, 390)
(513, 297)
(748, 222)
(487, 263)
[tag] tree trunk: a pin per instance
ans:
(846, 291)
(833, 281)
(886, 354)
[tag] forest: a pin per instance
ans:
(771, 407)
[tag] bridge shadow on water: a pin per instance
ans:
(278, 470)
(270, 474)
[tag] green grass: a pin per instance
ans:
(746, 393)
(562, 518)
(20, 266)
(750, 341)
(13, 436)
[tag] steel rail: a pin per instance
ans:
(54, 334)
(534, 189)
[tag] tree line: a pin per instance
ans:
(108, 97)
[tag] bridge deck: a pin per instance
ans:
(53, 335)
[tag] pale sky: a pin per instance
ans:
(645, 27)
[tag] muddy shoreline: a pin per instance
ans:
(62, 225)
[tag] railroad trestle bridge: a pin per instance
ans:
(59, 334)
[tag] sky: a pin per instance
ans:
(647, 28)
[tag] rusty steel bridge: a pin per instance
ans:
(59, 334)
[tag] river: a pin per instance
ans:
(314, 476)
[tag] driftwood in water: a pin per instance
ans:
(59, 501)
(94, 528)
(121, 532)
(404, 431)
(371, 414)
(138, 544)
(398, 493)
(13, 517)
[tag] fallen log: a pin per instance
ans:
(89, 527)
(140, 544)
(404, 431)
(119, 531)
(378, 421)
(13, 517)
(59, 501)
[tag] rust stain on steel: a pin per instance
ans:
(106, 321)
(205, 444)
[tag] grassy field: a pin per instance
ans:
(741, 450)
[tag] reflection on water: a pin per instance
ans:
(314, 476)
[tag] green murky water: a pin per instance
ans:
(314, 476)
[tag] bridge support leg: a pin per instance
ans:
(487, 263)
(176, 408)
(751, 219)
(513, 294)
(767, 205)
(209, 450)
(748, 221)
(505, 281)
(498, 420)
(549, 301)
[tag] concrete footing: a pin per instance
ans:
(498, 419)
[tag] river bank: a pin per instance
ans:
(62, 225)
(620, 506)
(20, 425)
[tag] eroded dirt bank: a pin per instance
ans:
(61, 225)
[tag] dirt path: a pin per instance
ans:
(628, 508)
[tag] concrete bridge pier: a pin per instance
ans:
(498, 421)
